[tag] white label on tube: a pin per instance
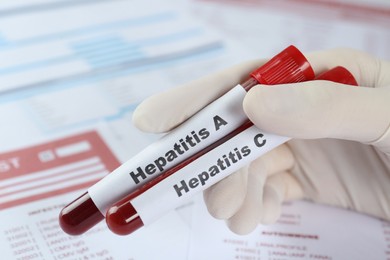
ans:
(207, 126)
(204, 172)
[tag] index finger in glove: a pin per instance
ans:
(323, 109)
(164, 111)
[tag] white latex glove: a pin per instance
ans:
(340, 154)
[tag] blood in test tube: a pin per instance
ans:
(123, 219)
(80, 215)
(289, 66)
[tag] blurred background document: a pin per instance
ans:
(304, 231)
(72, 73)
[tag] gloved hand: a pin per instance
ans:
(339, 154)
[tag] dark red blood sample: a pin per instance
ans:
(80, 215)
(123, 219)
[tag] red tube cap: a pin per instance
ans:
(338, 74)
(289, 66)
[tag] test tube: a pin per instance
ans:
(289, 66)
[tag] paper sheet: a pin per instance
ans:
(37, 181)
(304, 231)
(104, 39)
(175, 49)
(71, 74)
(265, 26)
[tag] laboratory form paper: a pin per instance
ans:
(71, 75)
(304, 231)
(37, 181)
